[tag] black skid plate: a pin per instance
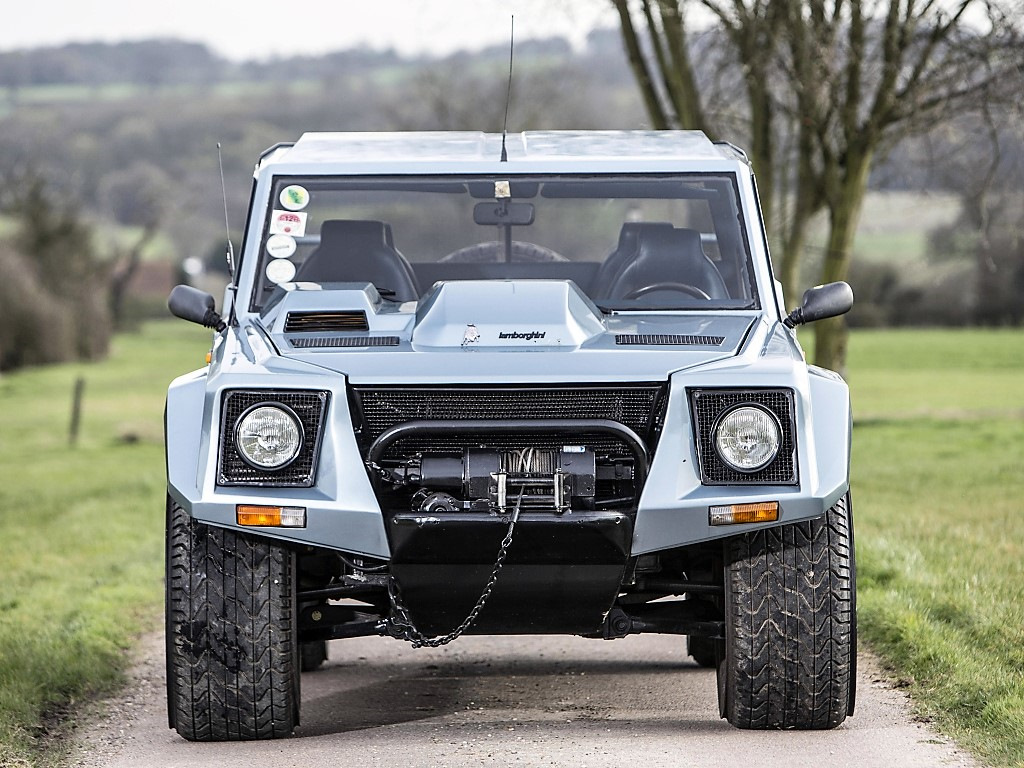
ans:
(561, 576)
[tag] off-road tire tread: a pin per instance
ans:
(790, 625)
(232, 639)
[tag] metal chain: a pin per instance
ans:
(399, 625)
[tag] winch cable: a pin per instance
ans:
(399, 625)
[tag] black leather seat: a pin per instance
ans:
(666, 256)
(353, 251)
(625, 251)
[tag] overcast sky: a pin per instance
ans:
(261, 29)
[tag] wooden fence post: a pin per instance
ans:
(76, 411)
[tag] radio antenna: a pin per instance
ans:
(508, 93)
(229, 252)
(229, 249)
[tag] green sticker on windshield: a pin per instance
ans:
(294, 197)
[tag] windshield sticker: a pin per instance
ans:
(288, 223)
(294, 198)
(281, 246)
(280, 271)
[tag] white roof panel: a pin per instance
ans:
(470, 152)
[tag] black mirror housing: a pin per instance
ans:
(820, 302)
(196, 306)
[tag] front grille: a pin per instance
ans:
(322, 322)
(668, 339)
(309, 406)
(333, 342)
(708, 404)
(639, 407)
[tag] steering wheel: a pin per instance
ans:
(494, 251)
(686, 288)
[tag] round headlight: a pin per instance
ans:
(268, 436)
(747, 438)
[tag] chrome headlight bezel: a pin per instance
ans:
(268, 409)
(770, 446)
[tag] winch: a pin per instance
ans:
(483, 480)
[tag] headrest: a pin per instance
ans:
(681, 245)
(632, 230)
(354, 233)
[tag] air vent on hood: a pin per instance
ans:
(345, 341)
(320, 322)
(669, 339)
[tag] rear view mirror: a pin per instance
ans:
(503, 212)
(829, 300)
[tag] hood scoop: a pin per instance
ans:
(326, 322)
(506, 314)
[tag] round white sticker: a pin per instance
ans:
(280, 246)
(280, 271)
(294, 197)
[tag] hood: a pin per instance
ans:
(494, 330)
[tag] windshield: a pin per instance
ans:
(629, 242)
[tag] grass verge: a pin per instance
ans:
(938, 478)
(81, 529)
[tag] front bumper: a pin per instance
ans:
(343, 512)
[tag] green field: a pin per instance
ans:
(938, 478)
(80, 529)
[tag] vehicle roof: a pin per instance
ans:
(528, 152)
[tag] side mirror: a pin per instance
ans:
(196, 306)
(822, 301)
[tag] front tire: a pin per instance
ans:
(790, 658)
(232, 640)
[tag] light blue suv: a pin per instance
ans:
(556, 393)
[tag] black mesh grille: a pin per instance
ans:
(351, 320)
(308, 406)
(637, 407)
(708, 404)
(345, 341)
(668, 339)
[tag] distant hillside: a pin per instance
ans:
(169, 62)
(97, 119)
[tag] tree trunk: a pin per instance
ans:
(124, 272)
(789, 266)
(648, 90)
(830, 335)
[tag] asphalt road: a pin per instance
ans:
(510, 701)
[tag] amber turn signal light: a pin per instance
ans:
(734, 514)
(271, 517)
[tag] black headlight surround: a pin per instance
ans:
(708, 406)
(308, 407)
